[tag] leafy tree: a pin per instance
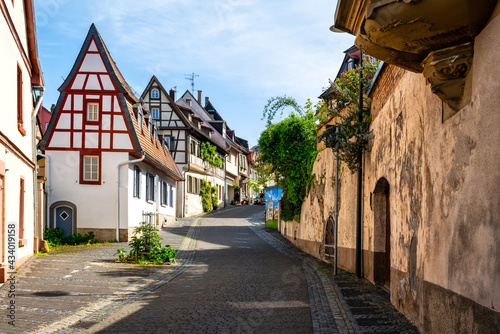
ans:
(352, 137)
(289, 149)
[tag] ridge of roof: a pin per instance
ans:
(108, 62)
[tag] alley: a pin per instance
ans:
(232, 276)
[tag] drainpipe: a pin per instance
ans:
(34, 114)
(360, 176)
(118, 188)
(47, 185)
(336, 231)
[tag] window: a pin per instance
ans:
(92, 111)
(137, 182)
(151, 187)
(90, 168)
(155, 113)
(20, 101)
(170, 143)
(155, 94)
(164, 192)
(171, 195)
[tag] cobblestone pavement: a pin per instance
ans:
(232, 281)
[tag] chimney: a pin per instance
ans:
(172, 94)
(199, 96)
(206, 100)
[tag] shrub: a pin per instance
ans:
(55, 237)
(146, 247)
(215, 198)
(206, 197)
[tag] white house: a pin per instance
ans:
(20, 75)
(107, 167)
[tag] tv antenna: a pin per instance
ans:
(191, 78)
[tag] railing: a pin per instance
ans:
(206, 166)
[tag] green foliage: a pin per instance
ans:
(264, 172)
(215, 198)
(233, 202)
(146, 247)
(289, 147)
(279, 103)
(209, 154)
(273, 223)
(352, 137)
(206, 196)
(55, 237)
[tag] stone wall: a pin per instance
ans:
(431, 200)
(106, 234)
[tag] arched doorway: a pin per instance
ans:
(382, 233)
(63, 215)
(330, 240)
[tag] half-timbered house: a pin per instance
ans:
(183, 129)
(108, 170)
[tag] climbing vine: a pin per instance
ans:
(289, 149)
(209, 154)
(353, 135)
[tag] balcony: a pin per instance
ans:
(199, 165)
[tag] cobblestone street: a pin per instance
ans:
(232, 276)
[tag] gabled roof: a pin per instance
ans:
(110, 64)
(213, 112)
(36, 70)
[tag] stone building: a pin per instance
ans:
(430, 196)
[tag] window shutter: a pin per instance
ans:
(134, 191)
(155, 188)
(147, 187)
(161, 192)
(140, 183)
(172, 143)
(171, 196)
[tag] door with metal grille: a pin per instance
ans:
(64, 219)
(330, 240)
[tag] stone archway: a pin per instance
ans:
(63, 214)
(330, 240)
(382, 233)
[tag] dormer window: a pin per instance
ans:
(155, 93)
(188, 101)
(155, 113)
(92, 112)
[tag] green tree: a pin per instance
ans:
(289, 148)
(206, 196)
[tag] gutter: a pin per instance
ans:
(118, 191)
(34, 114)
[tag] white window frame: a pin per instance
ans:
(92, 115)
(155, 93)
(92, 162)
(155, 113)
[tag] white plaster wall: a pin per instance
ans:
(9, 59)
(15, 169)
(137, 205)
(96, 204)
(193, 201)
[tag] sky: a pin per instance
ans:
(243, 51)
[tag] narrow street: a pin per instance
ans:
(232, 276)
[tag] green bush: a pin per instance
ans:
(55, 237)
(146, 247)
(215, 198)
(206, 196)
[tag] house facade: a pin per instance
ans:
(185, 131)
(21, 75)
(429, 185)
(108, 171)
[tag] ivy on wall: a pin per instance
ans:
(209, 154)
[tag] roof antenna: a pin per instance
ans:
(191, 78)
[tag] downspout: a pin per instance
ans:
(47, 186)
(34, 114)
(336, 231)
(118, 190)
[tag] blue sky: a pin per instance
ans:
(244, 51)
